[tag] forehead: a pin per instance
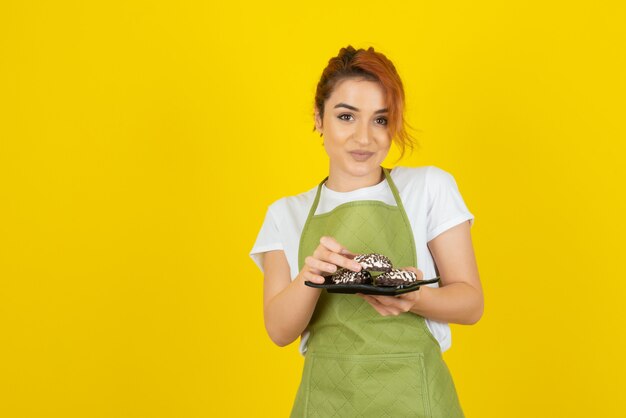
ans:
(363, 94)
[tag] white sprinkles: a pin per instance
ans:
(374, 263)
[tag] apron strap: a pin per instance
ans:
(306, 224)
(315, 202)
(396, 196)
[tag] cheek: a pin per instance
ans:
(331, 146)
(334, 139)
(338, 131)
(386, 137)
(386, 143)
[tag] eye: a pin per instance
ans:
(342, 115)
(384, 121)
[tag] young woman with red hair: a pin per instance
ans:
(369, 355)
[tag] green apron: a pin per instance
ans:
(359, 362)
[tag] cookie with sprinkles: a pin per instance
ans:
(395, 277)
(345, 276)
(374, 262)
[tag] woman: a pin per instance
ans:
(369, 355)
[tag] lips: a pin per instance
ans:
(361, 155)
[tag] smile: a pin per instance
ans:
(360, 155)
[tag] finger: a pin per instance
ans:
(313, 270)
(418, 273)
(347, 253)
(376, 305)
(382, 311)
(378, 308)
(410, 296)
(334, 246)
(385, 309)
(311, 273)
(385, 300)
(394, 304)
(323, 254)
(320, 265)
(315, 278)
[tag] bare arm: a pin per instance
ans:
(288, 305)
(459, 299)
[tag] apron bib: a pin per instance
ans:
(358, 362)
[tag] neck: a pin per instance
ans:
(343, 182)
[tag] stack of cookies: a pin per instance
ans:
(374, 263)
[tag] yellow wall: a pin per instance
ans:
(141, 143)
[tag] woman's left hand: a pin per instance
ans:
(395, 305)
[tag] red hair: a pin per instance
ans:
(372, 66)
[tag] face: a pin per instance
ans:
(356, 135)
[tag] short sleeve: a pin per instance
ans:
(268, 238)
(446, 207)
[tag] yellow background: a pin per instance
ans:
(141, 143)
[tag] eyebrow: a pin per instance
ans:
(356, 110)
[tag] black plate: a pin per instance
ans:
(368, 289)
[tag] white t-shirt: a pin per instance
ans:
(431, 199)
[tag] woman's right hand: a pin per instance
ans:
(325, 259)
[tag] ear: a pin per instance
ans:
(318, 122)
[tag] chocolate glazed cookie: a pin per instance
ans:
(374, 262)
(395, 277)
(345, 276)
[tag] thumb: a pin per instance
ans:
(345, 251)
(418, 273)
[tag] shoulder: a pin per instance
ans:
(438, 178)
(428, 178)
(409, 177)
(292, 205)
(422, 173)
(435, 173)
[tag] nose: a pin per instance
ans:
(362, 133)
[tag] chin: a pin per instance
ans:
(362, 169)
